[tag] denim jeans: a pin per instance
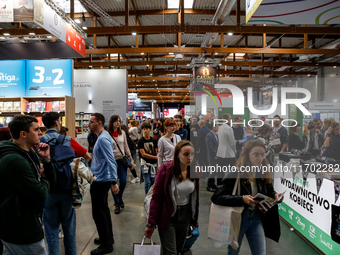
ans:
(58, 209)
(251, 225)
(122, 172)
(148, 180)
(37, 248)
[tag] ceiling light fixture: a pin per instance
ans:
(230, 33)
(6, 34)
(216, 53)
(49, 36)
(31, 33)
(77, 21)
(85, 28)
(142, 53)
(134, 33)
(334, 66)
(171, 53)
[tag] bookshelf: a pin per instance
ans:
(82, 122)
(67, 112)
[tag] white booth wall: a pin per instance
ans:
(107, 90)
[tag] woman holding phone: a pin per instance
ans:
(255, 225)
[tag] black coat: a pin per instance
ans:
(270, 219)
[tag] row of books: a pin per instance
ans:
(37, 106)
(42, 106)
(10, 107)
(6, 120)
(86, 116)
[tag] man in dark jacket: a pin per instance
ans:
(332, 151)
(24, 185)
(183, 133)
(211, 141)
(194, 127)
(316, 137)
(280, 132)
(201, 144)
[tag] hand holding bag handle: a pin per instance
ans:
(144, 239)
(126, 160)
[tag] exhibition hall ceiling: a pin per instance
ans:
(157, 41)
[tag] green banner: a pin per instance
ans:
(315, 235)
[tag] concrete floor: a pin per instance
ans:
(129, 226)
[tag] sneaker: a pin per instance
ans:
(211, 189)
(135, 180)
(117, 209)
(102, 250)
(121, 203)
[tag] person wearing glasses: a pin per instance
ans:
(253, 224)
(182, 132)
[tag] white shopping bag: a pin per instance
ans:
(225, 222)
(147, 201)
(146, 249)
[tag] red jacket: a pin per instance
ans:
(161, 206)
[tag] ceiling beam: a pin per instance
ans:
(228, 63)
(211, 50)
(196, 29)
(160, 12)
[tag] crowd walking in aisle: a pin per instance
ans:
(166, 164)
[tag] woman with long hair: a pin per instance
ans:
(167, 143)
(331, 132)
(174, 204)
(255, 225)
(119, 139)
(294, 141)
(132, 147)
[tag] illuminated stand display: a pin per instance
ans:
(34, 87)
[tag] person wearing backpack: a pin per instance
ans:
(24, 186)
(58, 208)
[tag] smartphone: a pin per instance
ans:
(258, 198)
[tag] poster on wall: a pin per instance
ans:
(12, 78)
(49, 77)
(23, 10)
(6, 10)
(107, 90)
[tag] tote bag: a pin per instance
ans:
(225, 221)
(146, 249)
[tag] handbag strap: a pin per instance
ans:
(237, 186)
(117, 145)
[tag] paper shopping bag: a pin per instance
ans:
(146, 249)
(225, 222)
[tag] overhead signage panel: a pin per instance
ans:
(23, 10)
(295, 12)
(74, 40)
(6, 11)
(251, 7)
(141, 107)
(49, 77)
(12, 78)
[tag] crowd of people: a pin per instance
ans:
(35, 187)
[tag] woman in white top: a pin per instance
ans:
(167, 143)
(119, 137)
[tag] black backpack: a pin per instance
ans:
(61, 156)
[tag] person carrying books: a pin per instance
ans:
(254, 224)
